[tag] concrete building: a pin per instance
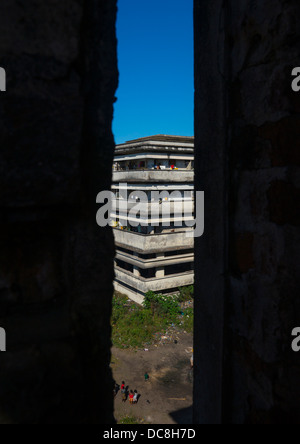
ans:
(157, 254)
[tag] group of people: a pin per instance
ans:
(126, 393)
(160, 167)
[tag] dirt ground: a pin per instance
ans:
(167, 397)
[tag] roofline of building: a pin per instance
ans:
(161, 142)
(159, 138)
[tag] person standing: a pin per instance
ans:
(131, 396)
(123, 391)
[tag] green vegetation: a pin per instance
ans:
(134, 326)
(186, 293)
(131, 420)
(165, 307)
(188, 320)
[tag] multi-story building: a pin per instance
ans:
(157, 254)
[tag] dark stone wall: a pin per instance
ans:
(247, 161)
(56, 265)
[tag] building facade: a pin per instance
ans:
(154, 249)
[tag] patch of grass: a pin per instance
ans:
(131, 420)
(166, 307)
(114, 362)
(134, 326)
(188, 320)
(186, 293)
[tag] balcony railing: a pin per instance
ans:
(154, 176)
(179, 206)
(154, 284)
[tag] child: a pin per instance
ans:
(123, 391)
(131, 396)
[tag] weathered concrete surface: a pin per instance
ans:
(153, 176)
(247, 161)
(155, 209)
(56, 265)
(136, 287)
(153, 243)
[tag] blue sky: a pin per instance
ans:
(155, 54)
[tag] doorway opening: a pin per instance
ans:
(153, 126)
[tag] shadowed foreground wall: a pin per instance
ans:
(247, 162)
(56, 265)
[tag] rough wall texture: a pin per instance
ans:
(56, 266)
(247, 148)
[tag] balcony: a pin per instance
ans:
(157, 262)
(155, 176)
(153, 243)
(121, 208)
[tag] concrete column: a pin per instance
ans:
(136, 270)
(160, 271)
